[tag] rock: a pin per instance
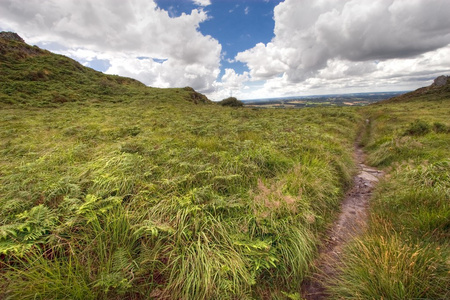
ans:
(11, 36)
(369, 170)
(12, 44)
(440, 81)
(367, 176)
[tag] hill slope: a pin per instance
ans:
(32, 76)
(439, 90)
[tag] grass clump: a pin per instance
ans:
(418, 127)
(385, 266)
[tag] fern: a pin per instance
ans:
(10, 246)
(260, 253)
(37, 221)
(12, 207)
(33, 227)
(64, 188)
(9, 230)
(120, 274)
(149, 227)
(94, 206)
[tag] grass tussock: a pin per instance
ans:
(385, 266)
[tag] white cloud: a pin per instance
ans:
(345, 76)
(334, 45)
(122, 31)
(202, 2)
(231, 83)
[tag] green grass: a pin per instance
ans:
(155, 198)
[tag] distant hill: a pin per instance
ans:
(37, 77)
(438, 90)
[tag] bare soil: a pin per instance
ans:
(349, 224)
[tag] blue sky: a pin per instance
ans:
(251, 49)
(238, 25)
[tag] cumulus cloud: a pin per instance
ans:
(233, 80)
(343, 76)
(329, 39)
(230, 83)
(202, 2)
(122, 31)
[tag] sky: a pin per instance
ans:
(249, 49)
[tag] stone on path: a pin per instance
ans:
(367, 176)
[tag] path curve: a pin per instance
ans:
(350, 223)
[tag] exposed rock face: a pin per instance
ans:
(196, 97)
(12, 44)
(440, 81)
(11, 36)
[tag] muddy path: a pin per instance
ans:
(350, 223)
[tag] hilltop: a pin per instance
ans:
(37, 77)
(438, 90)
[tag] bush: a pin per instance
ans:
(231, 101)
(440, 127)
(418, 127)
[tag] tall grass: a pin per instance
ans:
(164, 198)
(387, 267)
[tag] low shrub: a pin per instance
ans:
(231, 101)
(418, 127)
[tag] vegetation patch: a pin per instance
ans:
(231, 101)
(178, 201)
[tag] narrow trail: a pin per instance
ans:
(349, 224)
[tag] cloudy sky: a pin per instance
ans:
(247, 48)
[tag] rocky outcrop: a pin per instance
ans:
(11, 44)
(440, 81)
(11, 36)
(196, 97)
(439, 89)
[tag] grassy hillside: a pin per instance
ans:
(141, 194)
(35, 77)
(405, 253)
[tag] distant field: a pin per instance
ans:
(358, 99)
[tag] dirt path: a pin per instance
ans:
(350, 223)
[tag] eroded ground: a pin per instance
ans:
(350, 223)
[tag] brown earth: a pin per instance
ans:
(349, 224)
